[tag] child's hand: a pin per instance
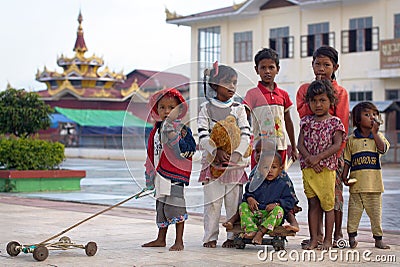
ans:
(317, 168)
(168, 131)
(174, 114)
(253, 204)
(375, 126)
(294, 154)
(235, 157)
(183, 132)
(312, 160)
(343, 177)
(172, 135)
(270, 206)
(221, 156)
(149, 187)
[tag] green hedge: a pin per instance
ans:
(30, 154)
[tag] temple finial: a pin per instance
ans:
(80, 45)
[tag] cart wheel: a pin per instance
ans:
(278, 243)
(91, 248)
(240, 246)
(12, 248)
(277, 248)
(239, 243)
(40, 253)
(65, 239)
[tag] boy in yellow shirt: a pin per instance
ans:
(362, 158)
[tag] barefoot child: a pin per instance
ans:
(362, 158)
(169, 164)
(320, 138)
(289, 216)
(262, 210)
(325, 64)
(228, 187)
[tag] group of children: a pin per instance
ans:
(269, 197)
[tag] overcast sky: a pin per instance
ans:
(128, 34)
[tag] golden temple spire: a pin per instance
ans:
(80, 46)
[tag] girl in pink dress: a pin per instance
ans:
(321, 136)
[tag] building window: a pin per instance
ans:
(53, 84)
(100, 83)
(243, 42)
(281, 42)
(397, 26)
(209, 50)
(361, 96)
(76, 83)
(361, 36)
(393, 94)
(318, 35)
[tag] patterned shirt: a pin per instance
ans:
(318, 137)
(269, 108)
(363, 157)
(210, 113)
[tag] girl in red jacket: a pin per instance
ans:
(169, 164)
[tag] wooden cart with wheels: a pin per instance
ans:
(276, 238)
(41, 251)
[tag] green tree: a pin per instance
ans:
(23, 113)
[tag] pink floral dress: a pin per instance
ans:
(318, 136)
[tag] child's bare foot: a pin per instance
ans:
(289, 227)
(306, 241)
(258, 238)
(155, 243)
(228, 225)
(326, 245)
(178, 246)
(381, 245)
(353, 242)
(228, 244)
(312, 244)
(210, 244)
(250, 235)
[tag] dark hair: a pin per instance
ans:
(266, 53)
(318, 87)
(327, 51)
(216, 75)
(279, 158)
(360, 107)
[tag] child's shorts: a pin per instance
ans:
(321, 185)
(171, 209)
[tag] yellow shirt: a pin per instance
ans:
(363, 157)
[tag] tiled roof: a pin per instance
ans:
(148, 79)
(245, 9)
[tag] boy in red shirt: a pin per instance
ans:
(270, 105)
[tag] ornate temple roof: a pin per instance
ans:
(81, 76)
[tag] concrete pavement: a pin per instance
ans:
(120, 232)
(33, 217)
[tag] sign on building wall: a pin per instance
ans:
(390, 54)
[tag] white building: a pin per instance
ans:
(366, 34)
